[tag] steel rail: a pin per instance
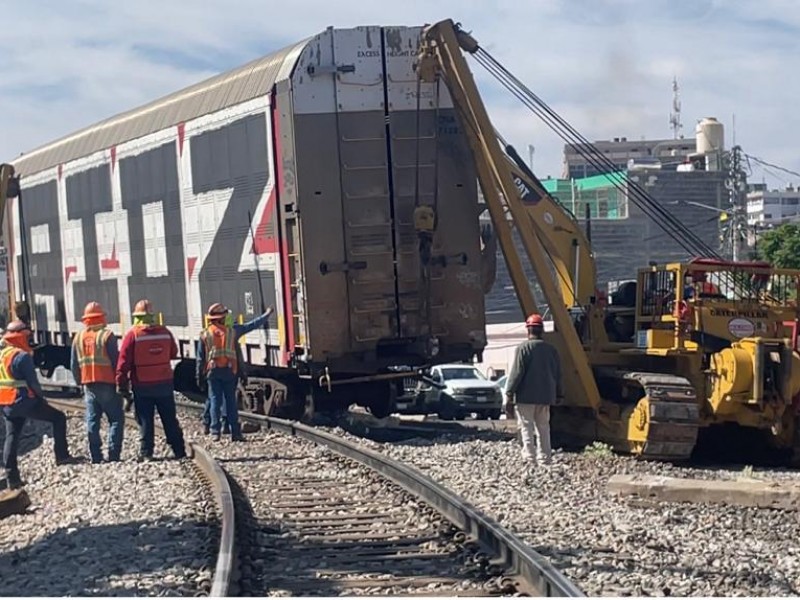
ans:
(532, 572)
(223, 584)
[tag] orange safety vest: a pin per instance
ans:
(220, 347)
(93, 359)
(151, 354)
(9, 386)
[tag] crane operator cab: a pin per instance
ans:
(737, 324)
(719, 303)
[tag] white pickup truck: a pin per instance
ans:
(464, 390)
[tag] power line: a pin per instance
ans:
(768, 164)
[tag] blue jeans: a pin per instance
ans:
(207, 414)
(15, 416)
(222, 392)
(146, 406)
(102, 399)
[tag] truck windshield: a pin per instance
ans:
(465, 373)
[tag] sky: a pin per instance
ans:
(604, 65)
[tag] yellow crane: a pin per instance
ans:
(702, 343)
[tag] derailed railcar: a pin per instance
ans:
(321, 179)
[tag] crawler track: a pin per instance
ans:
(324, 516)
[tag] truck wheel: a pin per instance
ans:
(446, 409)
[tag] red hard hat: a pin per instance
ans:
(93, 309)
(217, 310)
(534, 320)
(143, 308)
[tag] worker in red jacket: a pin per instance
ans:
(145, 363)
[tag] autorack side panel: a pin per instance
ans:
(153, 225)
(134, 218)
(38, 254)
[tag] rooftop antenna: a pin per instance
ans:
(675, 115)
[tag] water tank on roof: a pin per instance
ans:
(710, 136)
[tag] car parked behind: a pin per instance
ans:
(464, 390)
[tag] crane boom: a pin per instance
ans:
(560, 234)
(441, 54)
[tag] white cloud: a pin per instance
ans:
(605, 65)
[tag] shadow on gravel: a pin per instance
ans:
(441, 432)
(124, 559)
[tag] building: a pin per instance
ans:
(596, 194)
(685, 179)
(621, 151)
(769, 208)
(587, 160)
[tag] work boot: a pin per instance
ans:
(206, 429)
(217, 436)
(144, 458)
(14, 483)
(238, 438)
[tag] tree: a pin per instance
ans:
(781, 246)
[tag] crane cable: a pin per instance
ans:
(686, 238)
(689, 241)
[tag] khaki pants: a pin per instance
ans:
(528, 417)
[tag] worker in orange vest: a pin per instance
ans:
(699, 285)
(21, 398)
(218, 365)
(145, 363)
(94, 361)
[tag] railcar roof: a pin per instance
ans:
(221, 91)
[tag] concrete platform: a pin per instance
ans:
(741, 492)
(13, 502)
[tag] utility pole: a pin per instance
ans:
(736, 182)
(675, 115)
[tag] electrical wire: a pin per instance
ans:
(767, 164)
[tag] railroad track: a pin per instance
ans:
(321, 515)
(209, 471)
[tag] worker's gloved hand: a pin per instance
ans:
(269, 311)
(202, 384)
(128, 403)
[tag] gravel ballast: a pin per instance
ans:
(612, 546)
(113, 529)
